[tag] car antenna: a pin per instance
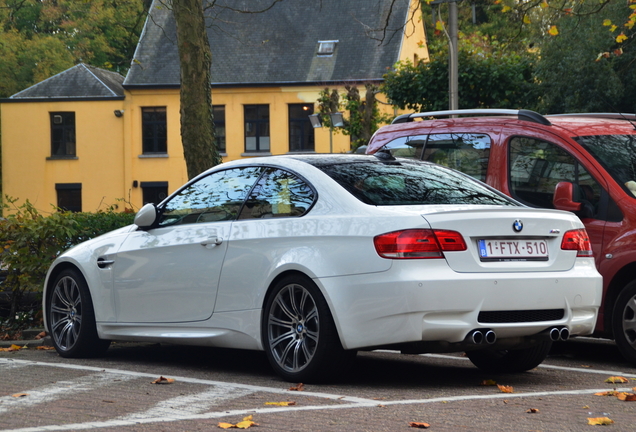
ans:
(384, 155)
(614, 109)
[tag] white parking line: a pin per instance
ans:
(184, 406)
(222, 391)
(60, 388)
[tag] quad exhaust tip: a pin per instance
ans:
(480, 336)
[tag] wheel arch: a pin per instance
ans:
(54, 272)
(620, 280)
(292, 272)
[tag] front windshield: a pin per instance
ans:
(617, 154)
(411, 183)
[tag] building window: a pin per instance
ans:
(301, 133)
(326, 48)
(154, 192)
(154, 130)
(62, 134)
(219, 127)
(69, 196)
(256, 128)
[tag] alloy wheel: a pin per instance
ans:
(293, 328)
(66, 313)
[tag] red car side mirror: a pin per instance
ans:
(564, 197)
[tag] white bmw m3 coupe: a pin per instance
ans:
(313, 257)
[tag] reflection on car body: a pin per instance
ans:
(318, 256)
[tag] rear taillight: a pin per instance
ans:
(579, 241)
(418, 243)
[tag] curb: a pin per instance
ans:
(29, 339)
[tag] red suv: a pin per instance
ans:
(583, 163)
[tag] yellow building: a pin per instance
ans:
(88, 138)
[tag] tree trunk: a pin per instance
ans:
(197, 122)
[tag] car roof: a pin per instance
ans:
(570, 125)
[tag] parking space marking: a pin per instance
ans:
(50, 392)
(179, 412)
(190, 404)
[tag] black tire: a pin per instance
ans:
(299, 334)
(510, 361)
(71, 318)
(624, 322)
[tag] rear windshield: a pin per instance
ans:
(411, 183)
(617, 154)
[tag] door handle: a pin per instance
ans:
(212, 241)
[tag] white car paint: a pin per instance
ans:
(168, 284)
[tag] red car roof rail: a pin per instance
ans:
(525, 115)
(614, 116)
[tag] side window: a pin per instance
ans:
(465, 152)
(537, 166)
(278, 194)
(216, 197)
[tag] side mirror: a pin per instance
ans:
(564, 197)
(146, 217)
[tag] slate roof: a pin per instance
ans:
(278, 46)
(79, 82)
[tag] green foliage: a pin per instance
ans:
(584, 69)
(31, 241)
(485, 81)
(364, 115)
(41, 38)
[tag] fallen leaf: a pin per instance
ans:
(42, 347)
(280, 403)
(13, 347)
(607, 393)
(163, 380)
(600, 421)
(505, 389)
(299, 387)
(19, 395)
(246, 423)
(419, 425)
(40, 335)
(108, 401)
(627, 397)
(488, 382)
(616, 379)
(533, 410)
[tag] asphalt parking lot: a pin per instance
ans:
(39, 391)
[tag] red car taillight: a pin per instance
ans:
(418, 243)
(579, 241)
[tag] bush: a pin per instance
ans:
(31, 241)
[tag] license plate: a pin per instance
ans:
(514, 249)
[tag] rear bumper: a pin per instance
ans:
(423, 300)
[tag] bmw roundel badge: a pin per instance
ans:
(517, 225)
